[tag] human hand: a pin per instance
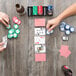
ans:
(52, 23)
(1, 46)
(4, 18)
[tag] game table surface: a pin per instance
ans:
(18, 59)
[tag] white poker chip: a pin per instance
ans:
(16, 21)
(65, 38)
(67, 32)
(62, 29)
(67, 27)
(50, 32)
(72, 29)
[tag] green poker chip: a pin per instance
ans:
(18, 31)
(9, 26)
(10, 36)
(16, 26)
(15, 35)
(11, 31)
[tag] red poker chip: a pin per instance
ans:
(14, 18)
(16, 21)
(19, 22)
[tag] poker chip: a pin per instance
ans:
(67, 27)
(11, 31)
(62, 28)
(16, 26)
(72, 29)
(18, 31)
(16, 21)
(65, 38)
(67, 32)
(9, 26)
(19, 22)
(10, 36)
(14, 18)
(15, 35)
(49, 32)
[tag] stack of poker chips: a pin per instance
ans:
(13, 32)
(40, 10)
(67, 29)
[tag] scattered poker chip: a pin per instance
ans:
(10, 36)
(14, 18)
(16, 26)
(65, 38)
(9, 26)
(72, 29)
(18, 31)
(11, 31)
(62, 27)
(15, 35)
(16, 21)
(67, 32)
(47, 32)
(67, 27)
(19, 22)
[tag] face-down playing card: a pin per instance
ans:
(40, 57)
(39, 40)
(39, 31)
(40, 49)
(40, 22)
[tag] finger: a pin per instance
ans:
(51, 28)
(1, 49)
(2, 43)
(6, 18)
(48, 25)
(0, 19)
(5, 23)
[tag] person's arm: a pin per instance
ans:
(4, 18)
(66, 13)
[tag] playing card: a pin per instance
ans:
(4, 39)
(40, 22)
(40, 49)
(39, 39)
(39, 31)
(40, 57)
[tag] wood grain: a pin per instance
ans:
(18, 58)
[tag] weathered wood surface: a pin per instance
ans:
(18, 58)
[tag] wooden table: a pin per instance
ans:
(18, 58)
